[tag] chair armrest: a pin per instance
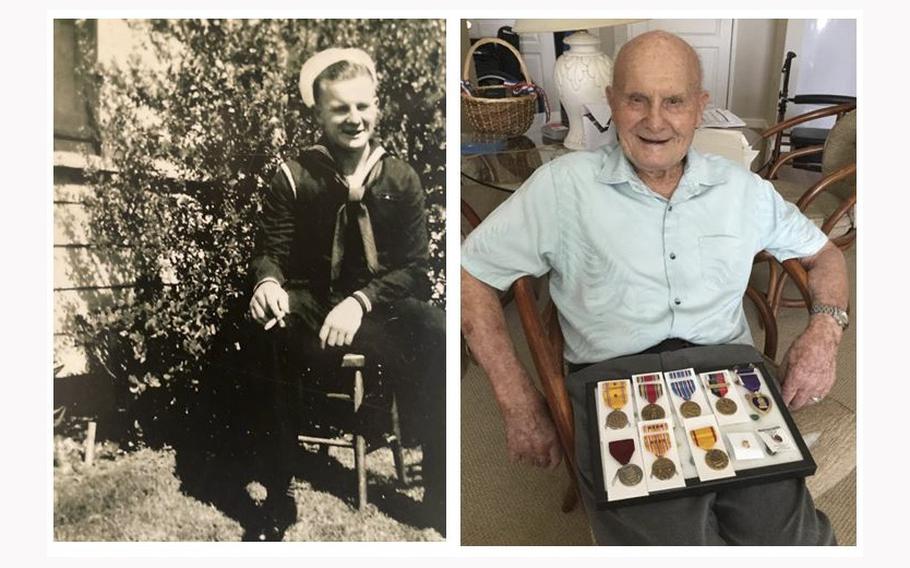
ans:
(800, 277)
(769, 322)
(548, 364)
(792, 155)
(819, 113)
(813, 192)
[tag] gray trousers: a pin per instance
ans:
(774, 513)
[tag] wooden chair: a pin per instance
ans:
(830, 201)
(779, 135)
(355, 423)
(545, 340)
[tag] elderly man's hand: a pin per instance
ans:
(341, 324)
(530, 434)
(809, 366)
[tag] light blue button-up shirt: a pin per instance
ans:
(629, 268)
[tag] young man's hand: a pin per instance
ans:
(341, 324)
(270, 301)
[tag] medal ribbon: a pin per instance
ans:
(681, 373)
(717, 383)
(750, 380)
(622, 450)
(704, 438)
(651, 391)
(684, 389)
(615, 394)
(657, 444)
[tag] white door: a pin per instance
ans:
(712, 40)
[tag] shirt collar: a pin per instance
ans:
(699, 174)
(329, 161)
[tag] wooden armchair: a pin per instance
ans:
(545, 340)
(780, 134)
(830, 201)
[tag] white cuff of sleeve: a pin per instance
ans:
(366, 300)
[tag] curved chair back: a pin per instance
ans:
(840, 150)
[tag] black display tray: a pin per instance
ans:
(694, 486)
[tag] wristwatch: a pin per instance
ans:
(840, 316)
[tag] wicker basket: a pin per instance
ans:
(511, 116)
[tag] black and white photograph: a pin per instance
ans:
(249, 284)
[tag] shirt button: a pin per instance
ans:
(670, 208)
(677, 301)
(672, 256)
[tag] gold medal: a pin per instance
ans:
(617, 419)
(615, 395)
(705, 438)
(622, 451)
(690, 409)
(725, 406)
(630, 474)
(717, 384)
(657, 441)
(652, 412)
(685, 389)
(663, 468)
(716, 459)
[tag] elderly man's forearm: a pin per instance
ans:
(484, 327)
(828, 284)
(828, 276)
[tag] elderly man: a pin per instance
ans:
(649, 247)
(341, 266)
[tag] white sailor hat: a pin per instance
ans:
(315, 65)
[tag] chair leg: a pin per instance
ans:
(397, 452)
(360, 453)
(570, 497)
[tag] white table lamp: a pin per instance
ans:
(581, 74)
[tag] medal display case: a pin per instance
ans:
(722, 426)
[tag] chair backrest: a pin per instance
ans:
(840, 150)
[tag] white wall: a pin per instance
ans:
(755, 77)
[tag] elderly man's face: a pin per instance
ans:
(347, 110)
(656, 108)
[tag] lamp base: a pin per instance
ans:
(582, 75)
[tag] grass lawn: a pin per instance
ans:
(138, 496)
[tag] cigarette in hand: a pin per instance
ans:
(271, 323)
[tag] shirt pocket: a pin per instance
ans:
(725, 263)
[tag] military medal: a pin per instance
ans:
(684, 389)
(629, 474)
(657, 441)
(749, 379)
(705, 438)
(717, 384)
(615, 395)
(651, 390)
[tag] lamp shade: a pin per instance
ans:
(544, 25)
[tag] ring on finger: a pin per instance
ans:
(815, 399)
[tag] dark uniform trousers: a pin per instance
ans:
(406, 338)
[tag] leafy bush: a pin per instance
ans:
(194, 137)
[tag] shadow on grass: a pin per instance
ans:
(222, 430)
(229, 439)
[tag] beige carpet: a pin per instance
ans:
(505, 504)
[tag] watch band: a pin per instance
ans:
(840, 316)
